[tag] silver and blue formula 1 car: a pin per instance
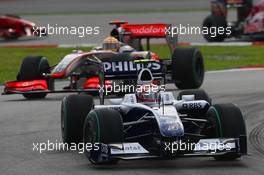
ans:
(148, 125)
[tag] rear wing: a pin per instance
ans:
(243, 7)
(129, 33)
(234, 3)
(146, 30)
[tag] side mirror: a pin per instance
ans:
(116, 101)
(188, 97)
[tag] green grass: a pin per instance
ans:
(225, 57)
(11, 58)
(216, 58)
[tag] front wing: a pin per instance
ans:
(133, 151)
(38, 86)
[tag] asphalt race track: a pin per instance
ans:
(102, 20)
(185, 19)
(93, 13)
(23, 123)
(88, 6)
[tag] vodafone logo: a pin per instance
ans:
(26, 84)
(129, 66)
(148, 30)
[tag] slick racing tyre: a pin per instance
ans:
(10, 36)
(32, 68)
(216, 22)
(228, 122)
(187, 68)
(102, 126)
(74, 109)
(199, 94)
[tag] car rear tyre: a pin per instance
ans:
(199, 94)
(32, 68)
(74, 109)
(187, 68)
(102, 126)
(217, 22)
(11, 37)
(223, 118)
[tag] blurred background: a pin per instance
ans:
(100, 13)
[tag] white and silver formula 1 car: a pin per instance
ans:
(149, 124)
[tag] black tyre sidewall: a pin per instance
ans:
(74, 109)
(105, 126)
(224, 116)
(32, 68)
(187, 68)
(214, 21)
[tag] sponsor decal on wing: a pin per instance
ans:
(129, 148)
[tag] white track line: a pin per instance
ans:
(223, 44)
(235, 70)
(183, 43)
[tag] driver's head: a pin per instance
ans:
(111, 43)
(148, 95)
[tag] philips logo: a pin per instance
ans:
(129, 66)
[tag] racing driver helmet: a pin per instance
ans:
(111, 43)
(148, 95)
(126, 49)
